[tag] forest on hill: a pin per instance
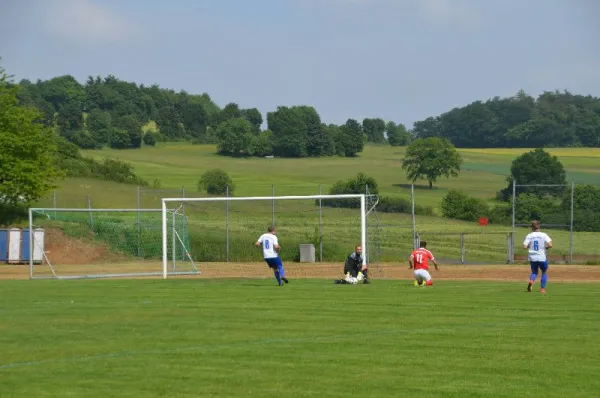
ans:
(108, 112)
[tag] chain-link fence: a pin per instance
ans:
(390, 235)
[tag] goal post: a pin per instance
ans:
(77, 243)
(181, 201)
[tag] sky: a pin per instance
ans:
(401, 60)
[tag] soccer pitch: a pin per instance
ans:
(311, 338)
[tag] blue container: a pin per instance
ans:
(3, 245)
(25, 245)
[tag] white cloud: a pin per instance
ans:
(84, 22)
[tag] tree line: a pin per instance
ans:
(108, 112)
(553, 119)
(112, 112)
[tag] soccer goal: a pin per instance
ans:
(222, 230)
(106, 243)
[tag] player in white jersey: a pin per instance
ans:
(536, 243)
(270, 247)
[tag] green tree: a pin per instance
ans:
(195, 119)
(535, 167)
(70, 116)
(397, 135)
(260, 145)
(431, 158)
(133, 127)
(230, 111)
(374, 129)
(254, 117)
(84, 140)
(149, 139)
(216, 182)
(28, 155)
(289, 132)
(233, 136)
(351, 135)
(119, 139)
(98, 123)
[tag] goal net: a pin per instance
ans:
(97, 243)
(320, 229)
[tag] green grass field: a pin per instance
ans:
(228, 338)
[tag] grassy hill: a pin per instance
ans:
(177, 165)
(483, 173)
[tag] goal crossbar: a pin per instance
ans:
(363, 214)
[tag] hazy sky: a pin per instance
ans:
(401, 60)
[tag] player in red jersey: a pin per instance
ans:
(419, 260)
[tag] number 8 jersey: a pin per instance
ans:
(536, 242)
(421, 257)
(269, 241)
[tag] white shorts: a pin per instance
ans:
(422, 275)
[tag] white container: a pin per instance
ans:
(38, 245)
(14, 245)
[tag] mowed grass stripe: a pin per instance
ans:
(310, 338)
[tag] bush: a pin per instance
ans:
(149, 139)
(390, 204)
(460, 206)
(10, 214)
(356, 185)
(216, 182)
(530, 206)
(500, 214)
(119, 139)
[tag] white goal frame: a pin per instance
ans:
(363, 215)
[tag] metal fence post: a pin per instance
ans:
(139, 227)
(571, 225)
(514, 201)
(414, 223)
(183, 203)
(320, 227)
(366, 226)
(273, 205)
(174, 238)
(227, 224)
(462, 247)
(89, 202)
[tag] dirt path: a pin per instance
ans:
(557, 273)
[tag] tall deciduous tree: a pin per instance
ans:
(254, 117)
(397, 135)
(535, 167)
(234, 136)
(289, 132)
(374, 129)
(28, 150)
(351, 134)
(431, 158)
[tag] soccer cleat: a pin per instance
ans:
(542, 290)
(285, 280)
(529, 286)
(337, 282)
(416, 283)
(366, 281)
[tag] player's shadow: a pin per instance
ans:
(417, 186)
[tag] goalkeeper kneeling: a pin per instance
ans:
(354, 269)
